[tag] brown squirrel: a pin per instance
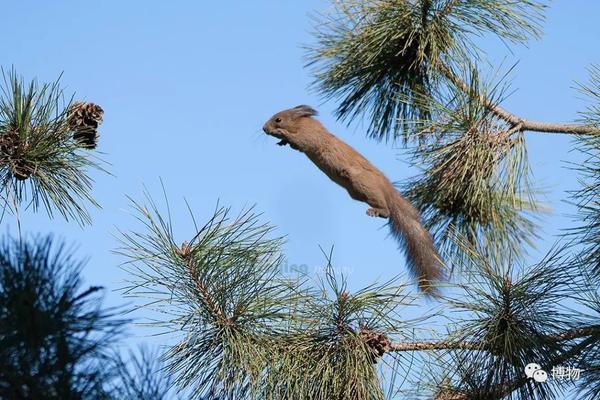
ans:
(346, 167)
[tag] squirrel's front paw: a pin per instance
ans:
(375, 212)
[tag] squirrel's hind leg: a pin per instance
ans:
(378, 212)
(364, 187)
(378, 205)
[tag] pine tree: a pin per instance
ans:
(57, 341)
(247, 331)
(409, 68)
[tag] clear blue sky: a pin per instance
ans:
(187, 85)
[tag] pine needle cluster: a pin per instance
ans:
(378, 56)
(54, 335)
(246, 330)
(475, 182)
(43, 163)
(587, 198)
(516, 315)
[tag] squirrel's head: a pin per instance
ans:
(287, 125)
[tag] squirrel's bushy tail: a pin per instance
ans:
(423, 259)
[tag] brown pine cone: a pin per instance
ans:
(9, 143)
(11, 152)
(87, 137)
(83, 119)
(377, 341)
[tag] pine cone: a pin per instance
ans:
(83, 119)
(378, 342)
(87, 137)
(9, 143)
(10, 150)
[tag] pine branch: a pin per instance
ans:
(516, 121)
(475, 185)
(433, 345)
(221, 295)
(378, 57)
(55, 338)
(578, 332)
(502, 390)
(185, 253)
(569, 334)
(45, 148)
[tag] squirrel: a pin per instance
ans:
(297, 128)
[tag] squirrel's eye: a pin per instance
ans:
(278, 120)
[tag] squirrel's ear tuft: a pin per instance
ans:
(304, 111)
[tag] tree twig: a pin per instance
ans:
(467, 345)
(185, 253)
(578, 332)
(433, 345)
(514, 120)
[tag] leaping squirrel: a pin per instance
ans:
(364, 182)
